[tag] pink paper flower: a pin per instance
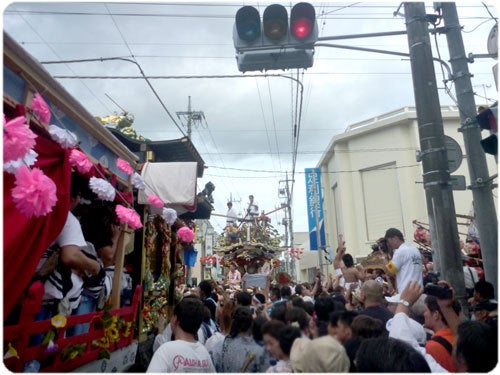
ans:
(155, 201)
(128, 216)
(18, 139)
(41, 108)
(185, 234)
(80, 161)
(34, 193)
(124, 166)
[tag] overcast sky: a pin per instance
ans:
(246, 138)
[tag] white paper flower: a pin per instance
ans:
(102, 188)
(138, 182)
(170, 215)
(64, 137)
(28, 160)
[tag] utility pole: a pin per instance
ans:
(288, 223)
(436, 176)
(192, 117)
(481, 183)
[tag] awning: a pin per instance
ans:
(173, 183)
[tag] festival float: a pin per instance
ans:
(47, 136)
(253, 245)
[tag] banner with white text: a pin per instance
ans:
(314, 208)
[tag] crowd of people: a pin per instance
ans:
(353, 320)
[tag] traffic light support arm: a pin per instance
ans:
(368, 35)
(381, 51)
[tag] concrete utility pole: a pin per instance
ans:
(191, 117)
(481, 183)
(436, 177)
(288, 223)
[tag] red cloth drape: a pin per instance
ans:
(25, 239)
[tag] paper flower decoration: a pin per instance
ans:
(58, 321)
(169, 215)
(41, 108)
(51, 347)
(102, 188)
(155, 201)
(128, 216)
(18, 138)
(11, 352)
(34, 193)
(80, 161)
(138, 182)
(124, 166)
(14, 165)
(32, 366)
(64, 137)
(185, 234)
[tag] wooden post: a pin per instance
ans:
(119, 261)
(145, 214)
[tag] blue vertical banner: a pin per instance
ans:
(314, 207)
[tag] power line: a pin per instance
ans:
(389, 167)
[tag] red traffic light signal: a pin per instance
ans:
(303, 21)
(277, 42)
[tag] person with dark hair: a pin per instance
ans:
(101, 228)
(343, 263)
(344, 322)
(224, 316)
(275, 297)
(231, 215)
(323, 307)
(440, 344)
(185, 354)
(487, 312)
(386, 354)
(483, 291)
(239, 352)
(286, 293)
(406, 263)
(234, 276)
(243, 298)
(279, 339)
(64, 283)
(363, 327)
(476, 347)
(297, 317)
(205, 290)
(279, 312)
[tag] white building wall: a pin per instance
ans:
(382, 147)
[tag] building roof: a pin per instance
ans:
(174, 150)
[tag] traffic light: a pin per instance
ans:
(277, 42)
(487, 120)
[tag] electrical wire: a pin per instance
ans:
(389, 167)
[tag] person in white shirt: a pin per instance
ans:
(186, 353)
(231, 215)
(253, 207)
(234, 276)
(406, 263)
